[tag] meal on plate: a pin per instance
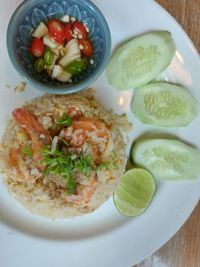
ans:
(63, 155)
(62, 48)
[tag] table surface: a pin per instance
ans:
(183, 250)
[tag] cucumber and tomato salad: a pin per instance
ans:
(61, 47)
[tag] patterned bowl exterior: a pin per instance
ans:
(28, 15)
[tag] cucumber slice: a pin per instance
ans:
(140, 60)
(167, 159)
(164, 104)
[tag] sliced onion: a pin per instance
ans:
(54, 144)
(40, 31)
(57, 70)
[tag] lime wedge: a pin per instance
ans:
(134, 192)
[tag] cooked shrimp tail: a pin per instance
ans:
(85, 194)
(39, 136)
(14, 161)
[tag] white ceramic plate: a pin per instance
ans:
(103, 238)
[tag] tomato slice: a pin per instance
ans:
(37, 47)
(80, 29)
(86, 47)
(56, 30)
(68, 31)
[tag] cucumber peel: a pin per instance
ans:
(167, 159)
(164, 104)
(140, 60)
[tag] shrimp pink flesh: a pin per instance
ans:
(74, 112)
(85, 194)
(77, 133)
(14, 158)
(39, 136)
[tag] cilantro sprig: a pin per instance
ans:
(103, 165)
(65, 120)
(27, 151)
(59, 162)
(84, 164)
(107, 164)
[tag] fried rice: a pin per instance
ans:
(92, 141)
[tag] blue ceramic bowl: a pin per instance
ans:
(28, 15)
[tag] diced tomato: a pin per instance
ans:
(37, 47)
(86, 47)
(80, 28)
(56, 30)
(68, 31)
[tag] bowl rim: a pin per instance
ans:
(56, 89)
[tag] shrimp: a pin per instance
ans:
(91, 130)
(74, 112)
(89, 190)
(73, 138)
(14, 161)
(84, 192)
(77, 134)
(39, 136)
(90, 125)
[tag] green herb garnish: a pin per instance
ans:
(113, 154)
(115, 166)
(84, 164)
(71, 185)
(65, 142)
(61, 163)
(27, 151)
(65, 121)
(103, 165)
